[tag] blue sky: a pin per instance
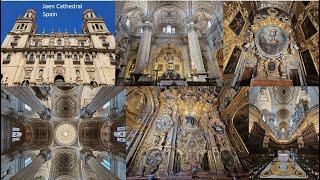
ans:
(66, 19)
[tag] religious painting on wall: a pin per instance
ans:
(311, 72)
(308, 28)
(233, 61)
(271, 40)
(237, 23)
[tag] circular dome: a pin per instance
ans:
(283, 114)
(66, 134)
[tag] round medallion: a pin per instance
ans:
(66, 134)
(163, 123)
(271, 41)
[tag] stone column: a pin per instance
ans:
(27, 96)
(195, 53)
(28, 172)
(144, 47)
(101, 172)
(104, 95)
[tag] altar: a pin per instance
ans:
(283, 167)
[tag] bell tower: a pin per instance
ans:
(21, 30)
(92, 23)
(26, 23)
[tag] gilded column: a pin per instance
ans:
(197, 66)
(96, 166)
(144, 46)
(28, 172)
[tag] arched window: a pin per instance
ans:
(75, 57)
(22, 26)
(209, 24)
(59, 57)
(111, 57)
(106, 105)
(18, 26)
(8, 58)
(128, 22)
(43, 57)
(120, 134)
(87, 57)
(59, 80)
(27, 107)
(106, 164)
(36, 43)
(169, 29)
(93, 84)
(31, 57)
(27, 161)
(16, 134)
(93, 27)
(25, 83)
(97, 26)
(101, 27)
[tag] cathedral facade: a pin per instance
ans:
(164, 43)
(29, 58)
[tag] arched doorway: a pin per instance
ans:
(59, 80)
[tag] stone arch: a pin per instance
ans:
(25, 83)
(162, 17)
(59, 80)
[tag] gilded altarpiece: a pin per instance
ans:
(185, 135)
